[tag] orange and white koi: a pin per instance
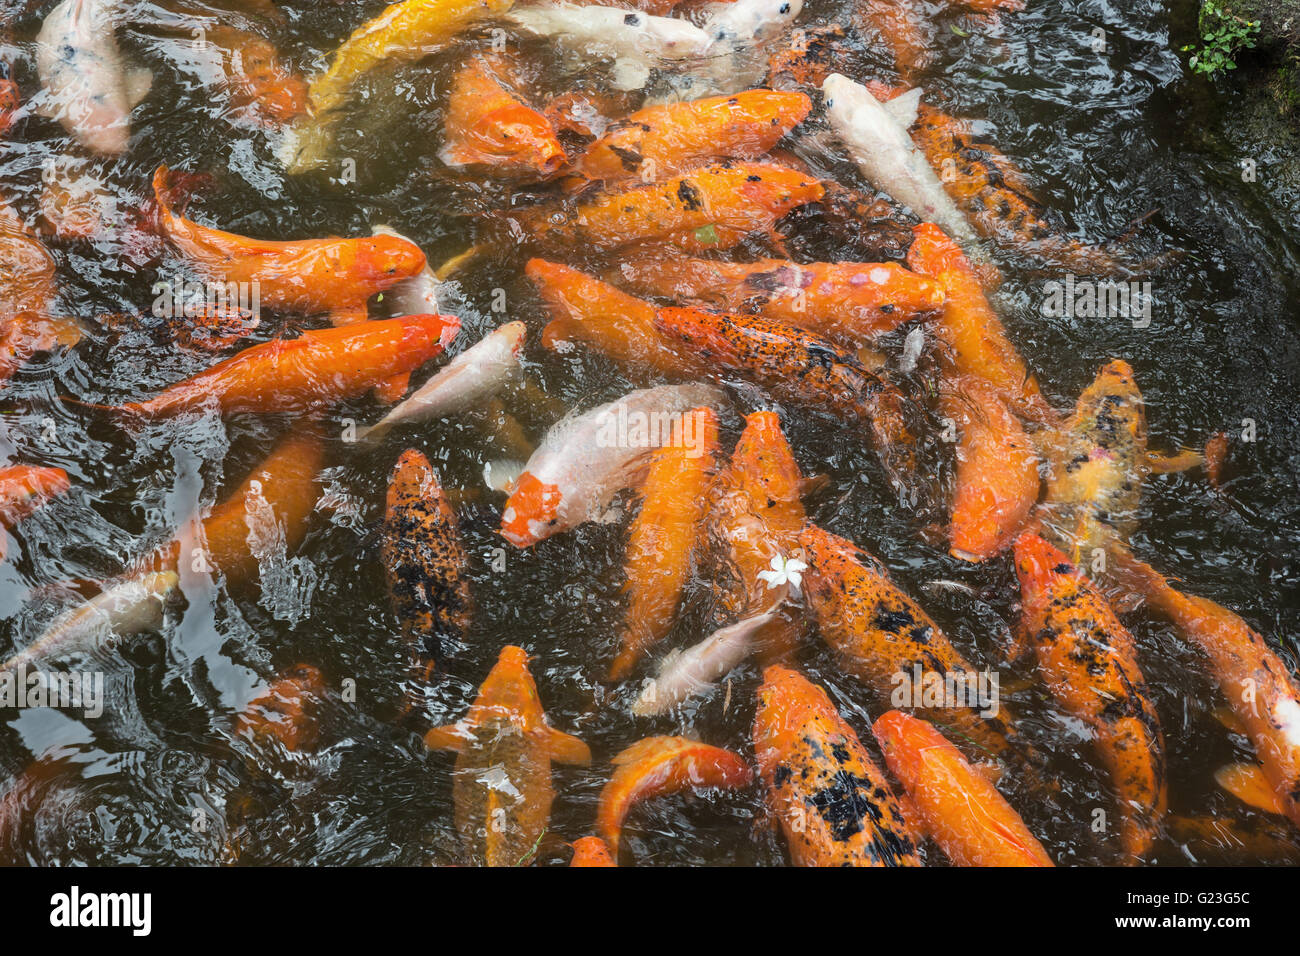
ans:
(658, 766)
(505, 747)
(954, 804)
(87, 86)
(589, 457)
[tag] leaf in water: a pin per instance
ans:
(959, 31)
(707, 234)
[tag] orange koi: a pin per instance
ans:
(713, 207)
(662, 141)
(658, 766)
(592, 312)
(257, 78)
(971, 330)
(993, 194)
(894, 24)
(1089, 662)
(23, 489)
(845, 301)
(502, 783)
(591, 851)
(804, 64)
(1257, 683)
(958, 807)
(425, 563)
(303, 275)
(755, 517)
(489, 126)
(27, 291)
(286, 711)
(997, 480)
(663, 535)
(879, 633)
(315, 370)
(807, 369)
(834, 804)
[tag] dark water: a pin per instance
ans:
(1105, 137)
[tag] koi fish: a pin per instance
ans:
(24, 489)
(89, 89)
(403, 32)
(255, 77)
(75, 202)
(834, 804)
(958, 807)
(845, 301)
(592, 312)
(878, 143)
(713, 207)
(10, 98)
(27, 291)
(997, 480)
(1257, 683)
(895, 25)
(502, 782)
(1255, 842)
(806, 63)
(591, 851)
(1089, 662)
(302, 275)
(754, 519)
(315, 370)
(589, 457)
(662, 538)
(490, 127)
(658, 766)
(996, 200)
(738, 32)
(417, 295)
(662, 141)
(878, 632)
(425, 563)
(1099, 461)
(683, 674)
(636, 42)
(285, 712)
(479, 372)
(806, 369)
(976, 343)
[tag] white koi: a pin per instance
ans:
(588, 458)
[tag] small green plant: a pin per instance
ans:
(1223, 33)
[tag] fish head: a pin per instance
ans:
(1037, 562)
(385, 260)
(531, 511)
(763, 461)
(427, 335)
(521, 136)
(777, 189)
(933, 253)
(509, 692)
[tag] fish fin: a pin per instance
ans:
(1167, 464)
(1226, 717)
(501, 475)
(1246, 782)
(640, 750)
(138, 83)
(567, 749)
(813, 485)
(457, 262)
(63, 331)
(448, 737)
(903, 107)
(391, 391)
(990, 771)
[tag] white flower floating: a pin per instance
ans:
(784, 571)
